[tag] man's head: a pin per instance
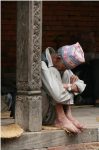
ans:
(72, 55)
(68, 57)
(56, 59)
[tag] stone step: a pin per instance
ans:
(49, 138)
(55, 138)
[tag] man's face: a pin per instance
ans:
(58, 63)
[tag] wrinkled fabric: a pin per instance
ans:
(66, 79)
(53, 83)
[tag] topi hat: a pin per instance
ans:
(72, 55)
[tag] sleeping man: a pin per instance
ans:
(59, 85)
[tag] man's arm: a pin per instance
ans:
(75, 85)
(53, 84)
(71, 88)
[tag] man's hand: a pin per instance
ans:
(72, 84)
(73, 79)
(65, 86)
(74, 88)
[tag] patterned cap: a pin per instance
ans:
(72, 55)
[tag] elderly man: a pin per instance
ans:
(60, 85)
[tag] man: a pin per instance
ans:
(60, 85)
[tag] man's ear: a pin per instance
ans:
(58, 57)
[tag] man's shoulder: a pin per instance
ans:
(43, 65)
(68, 71)
(46, 68)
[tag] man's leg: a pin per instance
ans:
(63, 122)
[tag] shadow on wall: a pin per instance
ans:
(89, 71)
(87, 41)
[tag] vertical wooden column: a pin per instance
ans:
(29, 38)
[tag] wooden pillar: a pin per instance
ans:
(29, 34)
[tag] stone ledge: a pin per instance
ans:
(48, 138)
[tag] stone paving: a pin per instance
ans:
(89, 116)
(83, 146)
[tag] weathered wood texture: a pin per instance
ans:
(29, 45)
(28, 99)
(45, 139)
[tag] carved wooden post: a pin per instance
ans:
(29, 34)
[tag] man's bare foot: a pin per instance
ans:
(63, 122)
(66, 125)
(75, 122)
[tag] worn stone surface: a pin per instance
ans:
(29, 35)
(48, 138)
(87, 115)
(55, 138)
(35, 48)
(83, 146)
(22, 44)
(40, 149)
(28, 112)
(28, 100)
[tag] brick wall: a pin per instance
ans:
(68, 22)
(63, 23)
(8, 41)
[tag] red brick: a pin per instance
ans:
(69, 19)
(8, 34)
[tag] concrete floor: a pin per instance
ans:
(88, 115)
